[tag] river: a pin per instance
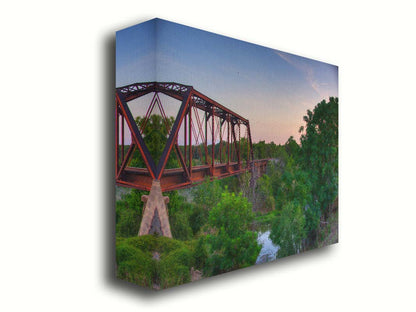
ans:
(268, 250)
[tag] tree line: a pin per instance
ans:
(214, 224)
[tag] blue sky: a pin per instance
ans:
(271, 88)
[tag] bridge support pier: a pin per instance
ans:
(155, 212)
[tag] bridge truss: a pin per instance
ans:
(221, 137)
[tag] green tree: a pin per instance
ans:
(233, 245)
(281, 155)
(288, 230)
(179, 211)
(244, 185)
(155, 136)
(200, 252)
(136, 262)
(319, 152)
(264, 200)
(244, 150)
(292, 147)
(129, 214)
(260, 150)
(205, 196)
(293, 185)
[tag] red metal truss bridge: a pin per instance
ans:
(219, 137)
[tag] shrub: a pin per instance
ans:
(264, 200)
(146, 243)
(180, 226)
(232, 214)
(288, 230)
(234, 246)
(179, 211)
(129, 214)
(166, 244)
(174, 267)
(134, 265)
(200, 253)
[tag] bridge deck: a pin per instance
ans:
(174, 179)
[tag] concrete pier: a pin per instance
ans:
(155, 213)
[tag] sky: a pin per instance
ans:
(271, 88)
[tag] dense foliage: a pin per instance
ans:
(307, 186)
(205, 196)
(320, 152)
(289, 229)
(232, 245)
(148, 260)
(213, 224)
(179, 212)
(129, 214)
(155, 135)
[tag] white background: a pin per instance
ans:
(56, 70)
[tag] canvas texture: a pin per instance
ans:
(226, 154)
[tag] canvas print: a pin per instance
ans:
(226, 154)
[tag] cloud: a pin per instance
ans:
(306, 69)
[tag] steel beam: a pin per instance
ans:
(187, 175)
(173, 134)
(136, 135)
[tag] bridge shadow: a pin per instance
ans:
(107, 201)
